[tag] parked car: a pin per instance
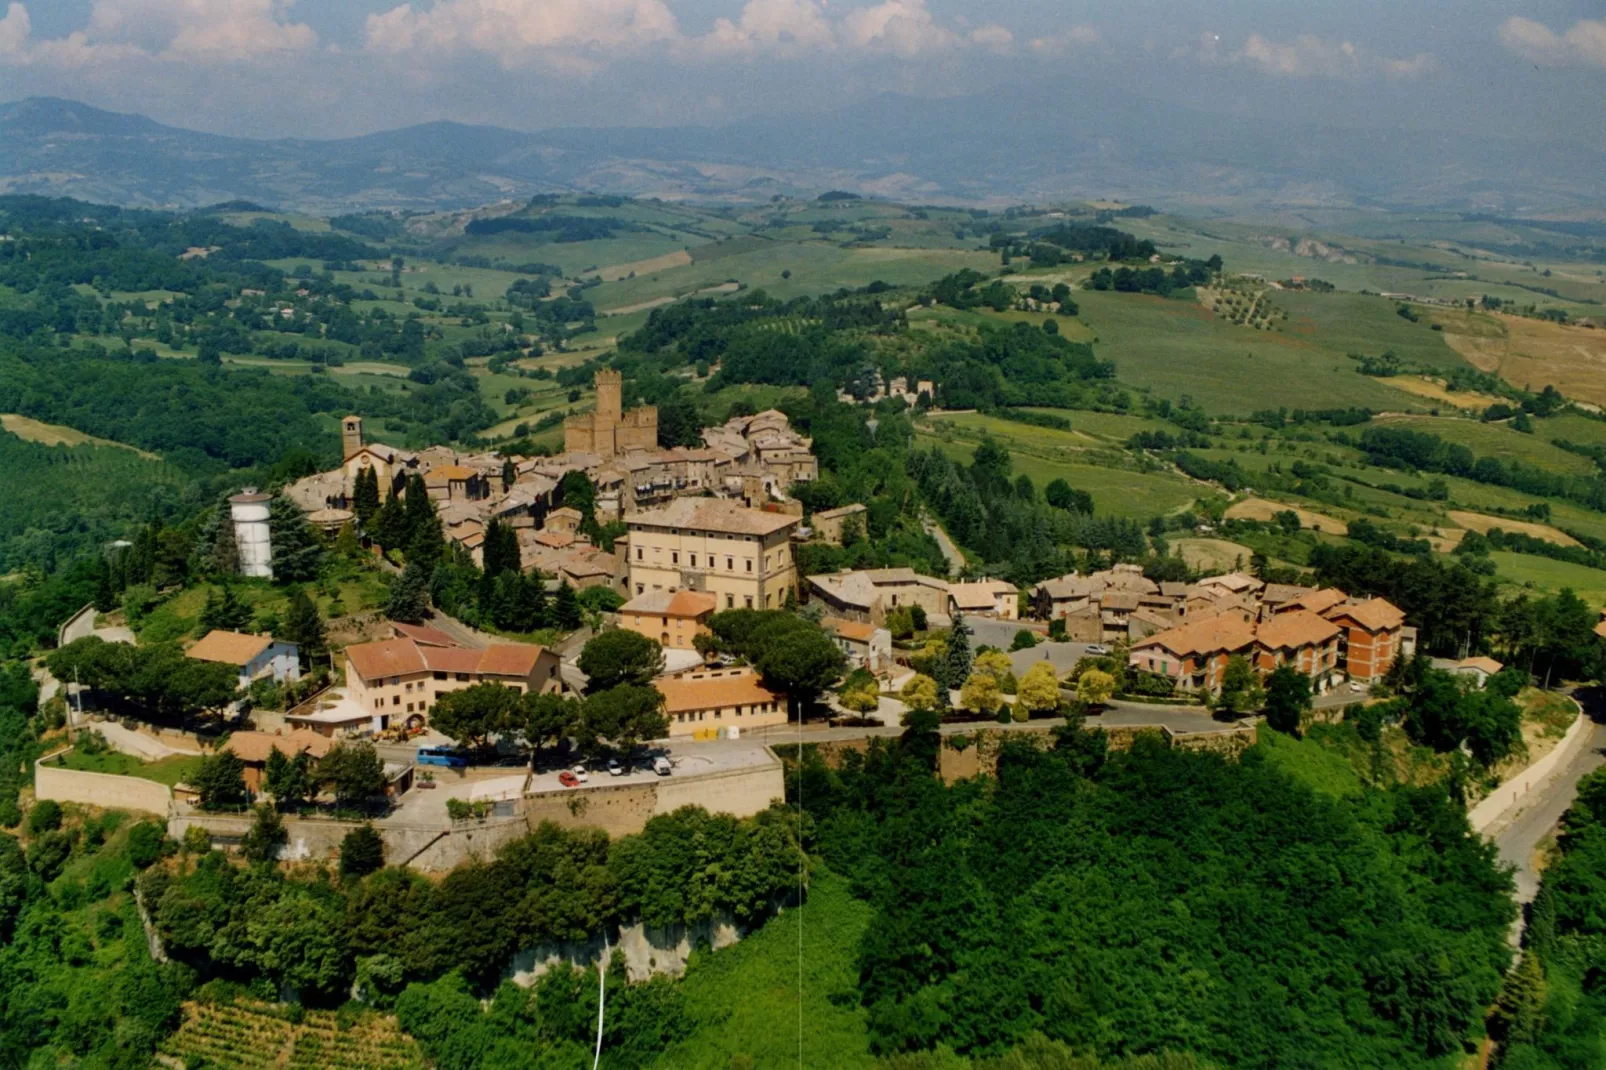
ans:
(661, 766)
(447, 756)
(1356, 686)
(568, 779)
(614, 768)
(1097, 648)
(580, 773)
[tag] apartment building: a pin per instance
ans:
(741, 556)
(1372, 634)
(673, 618)
(400, 680)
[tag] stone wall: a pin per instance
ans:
(624, 809)
(646, 951)
(432, 848)
(105, 790)
(1517, 787)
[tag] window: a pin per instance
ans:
(730, 601)
(409, 707)
(640, 553)
(395, 700)
(641, 588)
(730, 564)
(463, 676)
(693, 560)
(674, 557)
(409, 689)
(440, 676)
(749, 564)
(749, 600)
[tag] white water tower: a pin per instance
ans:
(250, 514)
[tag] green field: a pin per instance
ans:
(1499, 440)
(1115, 491)
(1549, 576)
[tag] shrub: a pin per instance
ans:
(44, 817)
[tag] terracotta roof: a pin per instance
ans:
(255, 746)
(1374, 614)
(1319, 601)
(1210, 635)
(1232, 581)
(391, 657)
(422, 634)
(558, 540)
(510, 659)
(450, 473)
(566, 511)
(1276, 594)
(982, 595)
(1294, 629)
(230, 648)
(1119, 599)
(450, 659)
(857, 631)
(714, 514)
(1483, 664)
(843, 510)
(683, 694)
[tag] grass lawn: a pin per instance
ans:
(1546, 575)
(168, 771)
(745, 998)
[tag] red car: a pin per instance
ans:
(568, 779)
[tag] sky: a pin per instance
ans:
(331, 68)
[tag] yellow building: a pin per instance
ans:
(673, 619)
(398, 681)
(608, 430)
(710, 699)
(741, 556)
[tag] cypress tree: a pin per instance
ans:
(956, 665)
(409, 595)
(365, 495)
(304, 627)
(565, 608)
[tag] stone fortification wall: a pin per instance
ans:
(104, 790)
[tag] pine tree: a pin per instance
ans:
(409, 595)
(534, 608)
(297, 550)
(957, 662)
(365, 495)
(224, 556)
(224, 611)
(565, 608)
(510, 475)
(304, 627)
(1519, 1012)
(390, 524)
(105, 594)
(501, 552)
(426, 543)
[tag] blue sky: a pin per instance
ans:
(322, 68)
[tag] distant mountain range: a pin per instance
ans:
(1001, 145)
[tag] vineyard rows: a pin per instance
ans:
(257, 1036)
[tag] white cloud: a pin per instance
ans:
(1584, 43)
(195, 31)
(900, 27)
(515, 30)
(774, 24)
(994, 38)
(1309, 56)
(1057, 44)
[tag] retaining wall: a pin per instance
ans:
(646, 951)
(106, 790)
(623, 809)
(1521, 784)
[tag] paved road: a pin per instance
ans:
(956, 560)
(1519, 835)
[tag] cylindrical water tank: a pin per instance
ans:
(250, 513)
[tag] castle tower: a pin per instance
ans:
(249, 511)
(350, 436)
(610, 405)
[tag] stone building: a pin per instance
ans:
(607, 430)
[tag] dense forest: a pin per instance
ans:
(1162, 900)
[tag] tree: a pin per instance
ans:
(510, 474)
(1039, 689)
(361, 852)
(1024, 639)
(1240, 687)
(220, 781)
(1288, 699)
(546, 720)
(679, 423)
(365, 495)
(1094, 687)
(224, 610)
(304, 627)
(297, 551)
(266, 835)
(566, 608)
(288, 780)
(501, 549)
(981, 693)
(1490, 723)
(221, 548)
(957, 659)
(860, 692)
(389, 525)
(354, 769)
(471, 714)
(624, 715)
(409, 595)
(620, 656)
(802, 663)
(919, 693)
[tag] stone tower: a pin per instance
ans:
(350, 436)
(249, 512)
(610, 406)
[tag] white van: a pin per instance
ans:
(660, 765)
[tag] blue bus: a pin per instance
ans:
(447, 756)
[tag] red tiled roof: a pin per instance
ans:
(256, 746)
(392, 657)
(1374, 614)
(1294, 629)
(450, 659)
(1209, 635)
(849, 629)
(683, 694)
(1318, 601)
(422, 634)
(230, 648)
(510, 659)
